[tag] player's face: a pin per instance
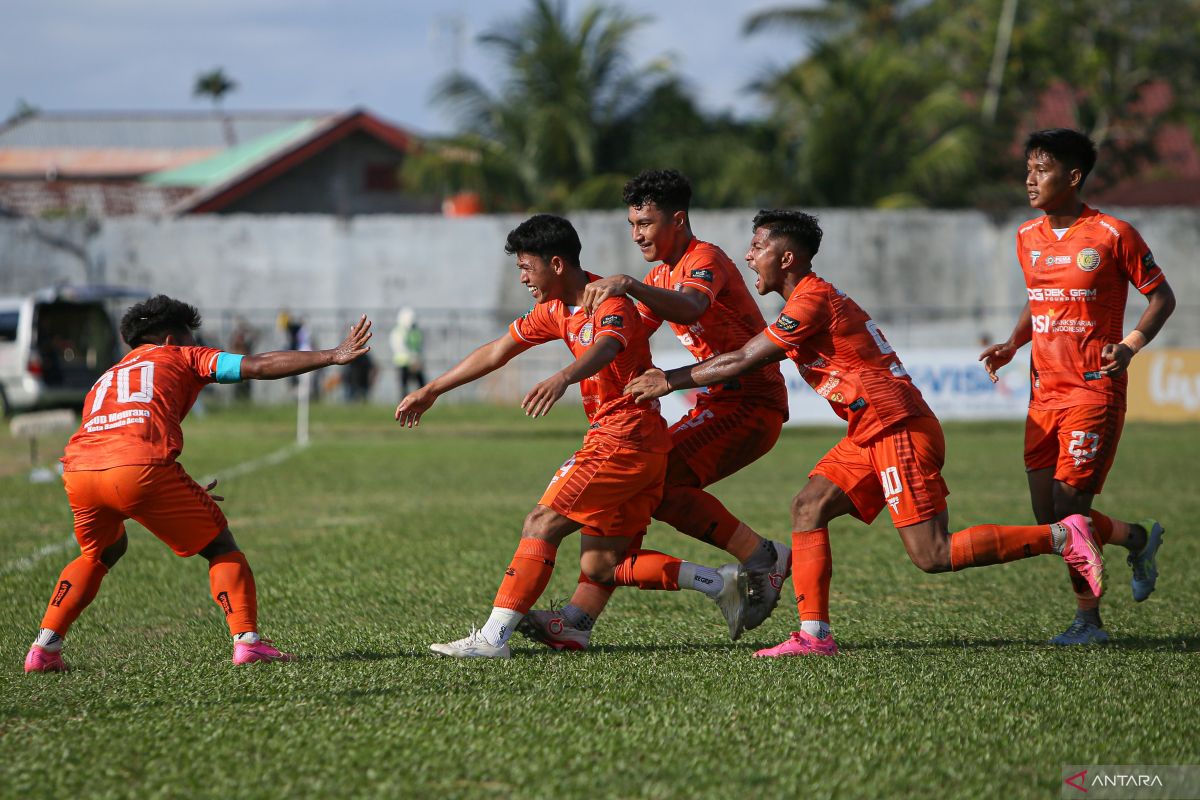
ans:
(654, 231)
(765, 259)
(1048, 182)
(538, 277)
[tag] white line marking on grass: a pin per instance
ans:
(25, 563)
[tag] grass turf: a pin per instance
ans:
(376, 541)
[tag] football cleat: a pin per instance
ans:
(260, 651)
(764, 586)
(1082, 553)
(473, 645)
(801, 644)
(1081, 632)
(732, 599)
(40, 659)
(1143, 564)
(549, 628)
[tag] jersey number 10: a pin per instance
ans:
(145, 382)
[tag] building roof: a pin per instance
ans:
(175, 130)
(51, 163)
(226, 177)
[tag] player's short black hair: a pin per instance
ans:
(545, 236)
(668, 189)
(1073, 148)
(149, 321)
(800, 229)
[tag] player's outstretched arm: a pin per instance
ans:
(286, 363)
(483, 360)
(754, 354)
(684, 306)
(542, 397)
(998, 355)
(1117, 355)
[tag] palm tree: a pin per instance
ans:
(215, 84)
(567, 85)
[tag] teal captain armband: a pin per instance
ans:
(229, 368)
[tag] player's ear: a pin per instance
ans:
(557, 264)
(1076, 176)
(679, 218)
(787, 260)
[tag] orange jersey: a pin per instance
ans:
(132, 415)
(610, 412)
(843, 355)
(1077, 289)
(731, 320)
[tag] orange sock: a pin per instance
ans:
(77, 587)
(981, 545)
(812, 569)
(527, 575)
(232, 585)
(1110, 529)
(649, 569)
(591, 597)
(700, 515)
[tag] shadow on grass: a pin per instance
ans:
(1179, 644)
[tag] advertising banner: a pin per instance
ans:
(1164, 386)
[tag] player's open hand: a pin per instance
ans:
(409, 412)
(650, 385)
(210, 488)
(996, 357)
(542, 397)
(1116, 358)
(597, 292)
(355, 344)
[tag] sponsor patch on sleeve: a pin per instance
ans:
(703, 274)
(1148, 260)
(786, 323)
(612, 321)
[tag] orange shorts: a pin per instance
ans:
(717, 438)
(1079, 442)
(608, 489)
(901, 468)
(161, 497)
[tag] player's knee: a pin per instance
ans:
(600, 567)
(928, 560)
(112, 554)
(809, 511)
(223, 544)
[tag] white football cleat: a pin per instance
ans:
(733, 597)
(471, 646)
(764, 587)
(549, 628)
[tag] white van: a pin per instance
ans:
(56, 343)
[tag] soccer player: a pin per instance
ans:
(893, 451)
(697, 289)
(609, 487)
(1078, 265)
(121, 465)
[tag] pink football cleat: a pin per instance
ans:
(43, 660)
(1082, 552)
(260, 651)
(801, 644)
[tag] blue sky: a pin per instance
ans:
(321, 54)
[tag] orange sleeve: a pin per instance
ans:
(706, 273)
(803, 316)
(1137, 262)
(534, 327)
(202, 361)
(619, 318)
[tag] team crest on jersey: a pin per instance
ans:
(1088, 259)
(1033, 257)
(703, 274)
(613, 321)
(786, 323)
(585, 334)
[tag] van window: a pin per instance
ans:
(8, 325)
(75, 341)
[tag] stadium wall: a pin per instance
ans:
(932, 279)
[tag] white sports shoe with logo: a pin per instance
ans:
(764, 587)
(549, 628)
(471, 646)
(733, 598)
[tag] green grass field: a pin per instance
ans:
(376, 541)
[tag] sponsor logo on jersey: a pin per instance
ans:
(586, 334)
(1088, 259)
(1033, 257)
(612, 321)
(1148, 260)
(828, 386)
(1054, 294)
(703, 274)
(837, 397)
(1053, 261)
(859, 403)
(786, 323)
